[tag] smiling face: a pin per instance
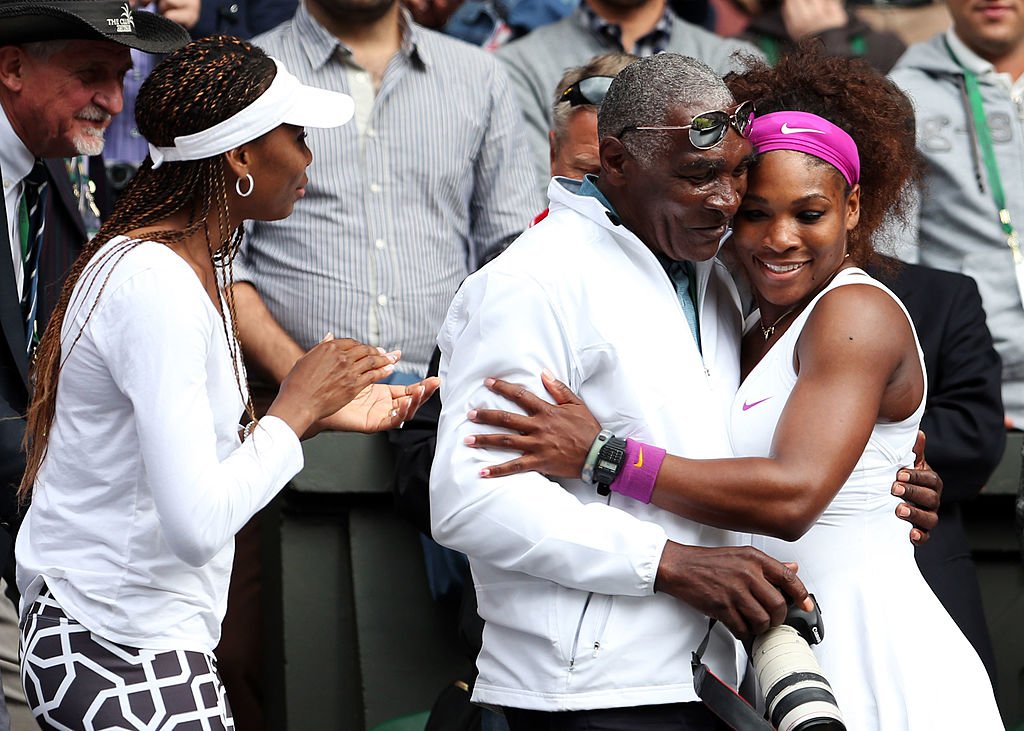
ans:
(277, 162)
(790, 232)
(991, 28)
(680, 203)
(61, 104)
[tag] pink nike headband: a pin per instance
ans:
(809, 133)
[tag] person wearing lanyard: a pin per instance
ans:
(967, 88)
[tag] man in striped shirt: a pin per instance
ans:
(432, 177)
(402, 205)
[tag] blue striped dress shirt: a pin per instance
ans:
(398, 212)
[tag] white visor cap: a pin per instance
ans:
(286, 101)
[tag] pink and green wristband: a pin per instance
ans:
(639, 471)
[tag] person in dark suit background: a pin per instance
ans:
(64, 235)
(66, 230)
(963, 421)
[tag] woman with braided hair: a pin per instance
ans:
(138, 472)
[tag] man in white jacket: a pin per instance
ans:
(581, 593)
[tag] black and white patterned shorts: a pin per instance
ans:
(78, 681)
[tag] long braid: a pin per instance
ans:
(192, 89)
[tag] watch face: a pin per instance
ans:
(603, 464)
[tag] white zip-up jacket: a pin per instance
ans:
(565, 577)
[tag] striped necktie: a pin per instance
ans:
(31, 219)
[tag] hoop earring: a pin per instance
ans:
(238, 186)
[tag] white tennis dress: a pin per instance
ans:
(892, 654)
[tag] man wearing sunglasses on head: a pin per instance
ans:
(591, 610)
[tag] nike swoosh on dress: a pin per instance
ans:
(747, 407)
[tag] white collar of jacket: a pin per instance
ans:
(562, 193)
(713, 324)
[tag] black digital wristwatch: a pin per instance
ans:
(609, 461)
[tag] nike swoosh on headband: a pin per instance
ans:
(747, 407)
(787, 130)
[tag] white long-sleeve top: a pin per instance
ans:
(145, 481)
(564, 577)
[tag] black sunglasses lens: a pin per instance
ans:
(591, 90)
(744, 118)
(708, 129)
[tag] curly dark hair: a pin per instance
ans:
(869, 107)
(192, 89)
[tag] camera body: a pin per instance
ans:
(797, 694)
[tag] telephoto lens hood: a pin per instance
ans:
(797, 695)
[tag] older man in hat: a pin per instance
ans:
(62, 63)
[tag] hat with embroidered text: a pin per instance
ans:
(27, 21)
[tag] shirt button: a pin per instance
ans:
(379, 243)
(371, 132)
(375, 188)
(382, 299)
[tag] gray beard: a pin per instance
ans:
(89, 143)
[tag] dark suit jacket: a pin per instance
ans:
(963, 421)
(63, 239)
(65, 233)
(13, 383)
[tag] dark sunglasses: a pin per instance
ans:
(587, 92)
(707, 129)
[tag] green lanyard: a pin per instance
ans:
(988, 154)
(770, 47)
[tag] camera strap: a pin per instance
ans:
(719, 697)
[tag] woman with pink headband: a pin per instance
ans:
(828, 411)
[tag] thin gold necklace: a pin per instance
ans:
(770, 330)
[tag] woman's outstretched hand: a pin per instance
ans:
(554, 438)
(378, 407)
(328, 377)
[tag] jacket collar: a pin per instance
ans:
(967, 58)
(563, 193)
(929, 56)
